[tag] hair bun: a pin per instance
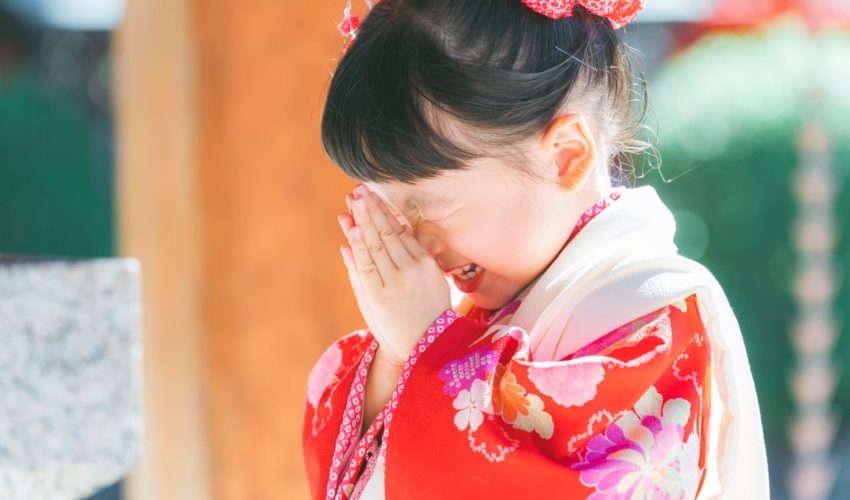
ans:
(619, 12)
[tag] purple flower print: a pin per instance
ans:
(459, 375)
(643, 456)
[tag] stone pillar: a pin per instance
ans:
(70, 376)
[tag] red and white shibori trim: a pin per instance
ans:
(341, 484)
(593, 211)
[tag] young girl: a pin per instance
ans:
(587, 359)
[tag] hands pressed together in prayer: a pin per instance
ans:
(400, 288)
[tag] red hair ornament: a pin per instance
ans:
(349, 24)
(348, 27)
(619, 12)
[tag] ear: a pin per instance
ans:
(572, 151)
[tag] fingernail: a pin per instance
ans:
(361, 205)
(362, 190)
(356, 233)
(375, 197)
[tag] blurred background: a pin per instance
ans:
(186, 133)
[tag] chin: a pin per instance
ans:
(488, 301)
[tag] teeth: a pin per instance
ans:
(462, 270)
(467, 272)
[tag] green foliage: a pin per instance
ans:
(55, 193)
(730, 110)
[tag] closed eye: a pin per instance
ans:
(440, 219)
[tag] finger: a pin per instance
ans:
(368, 271)
(373, 242)
(356, 285)
(412, 245)
(390, 234)
(353, 276)
(346, 221)
(348, 199)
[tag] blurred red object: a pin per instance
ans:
(817, 13)
(742, 15)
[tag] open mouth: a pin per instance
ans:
(466, 272)
(467, 278)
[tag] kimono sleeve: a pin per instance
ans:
(328, 388)
(624, 416)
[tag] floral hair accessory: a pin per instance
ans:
(349, 24)
(619, 12)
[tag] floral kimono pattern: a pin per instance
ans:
(625, 417)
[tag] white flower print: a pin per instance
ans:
(536, 420)
(472, 404)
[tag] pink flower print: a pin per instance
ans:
(472, 403)
(460, 375)
(323, 374)
(571, 384)
(643, 456)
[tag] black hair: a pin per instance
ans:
(428, 85)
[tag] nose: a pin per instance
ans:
(429, 240)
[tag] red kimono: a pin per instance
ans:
(474, 416)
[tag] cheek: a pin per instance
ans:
(501, 247)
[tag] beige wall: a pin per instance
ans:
(228, 201)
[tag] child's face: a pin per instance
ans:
(486, 217)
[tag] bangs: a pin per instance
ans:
(378, 123)
(433, 85)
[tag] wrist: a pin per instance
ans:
(381, 381)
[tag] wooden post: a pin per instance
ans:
(277, 294)
(230, 203)
(156, 173)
